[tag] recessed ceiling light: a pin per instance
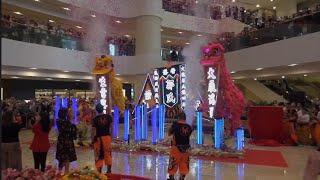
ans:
(232, 72)
(187, 43)
(127, 35)
(255, 79)
(49, 79)
(161, 29)
(305, 75)
(292, 65)
(77, 80)
(50, 20)
(15, 77)
(33, 68)
(283, 77)
(168, 41)
(37, 0)
(245, 11)
(93, 15)
(117, 74)
(199, 35)
(17, 12)
(271, 0)
(180, 32)
(259, 69)
(258, 5)
(233, 0)
(67, 9)
(196, 2)
(117, 21)
(274, 7)
(79, 27)
(66, 71)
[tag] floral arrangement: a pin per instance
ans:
(32, 174)
(84, 174)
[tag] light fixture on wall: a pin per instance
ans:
(232, 72)
(233, 1)
(127, 35)
(15, 77)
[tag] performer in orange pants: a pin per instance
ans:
(179, 157)
(102, 124)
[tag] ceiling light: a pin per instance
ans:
(161, 29)
(117, 74)
(232, 72)
(15, 77)
(117, 21)
(245, 11)
(233, 0)
(271, 0)
(66, 71)
(187, 43)
(52, 21)
(305, 75)
(292, 65)
(168, 41)
(127, 35)
(196, 2)
(79, 27)
(274, 7)
(180, 32)
(33, 68)
(199, 35)
(77, 80)
(258, 5)
(93, 15)
(283, 77)
(255, 79)
(17, 12)
(259, 69)
(49, 79)
(67, 9)
(37, 0)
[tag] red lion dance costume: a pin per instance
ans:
(230, 102)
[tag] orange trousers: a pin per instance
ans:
(178, 160)
(102, 152)
(316, 134)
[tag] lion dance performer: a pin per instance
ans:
(179, 156)
(230, 102)
(101, 129)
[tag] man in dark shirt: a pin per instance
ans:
(101, 129)
(179, 157)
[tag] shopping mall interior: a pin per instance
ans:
(242, 75)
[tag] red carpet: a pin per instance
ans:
(124, 177)
(251, 156)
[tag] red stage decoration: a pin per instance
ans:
(225, 100)
(265, 123)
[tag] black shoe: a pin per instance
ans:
(171, 177)
(109, 169)
(182, 177)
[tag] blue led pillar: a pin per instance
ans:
(239, 144)
(115, 121)
(144, 122)
(64, 102)
(218, 133)
(137, 124)
(199, 128)
(57, 107)
(75, 110)
(154, 118)
(126, 125)
(162, 116)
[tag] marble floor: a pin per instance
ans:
(155, 167)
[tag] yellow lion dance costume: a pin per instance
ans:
(104, 65)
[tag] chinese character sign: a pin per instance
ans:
(103, 92)
(212, 90)
(170, 85)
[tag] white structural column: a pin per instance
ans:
(148, 37)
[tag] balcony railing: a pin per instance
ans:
(293, 28)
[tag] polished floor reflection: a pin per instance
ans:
(155, 167)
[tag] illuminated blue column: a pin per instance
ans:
(239, 139)
(115, 121)
(64, 102)
(75, 110)
(57, 107)
(137, 124)
(126, 125)
(199, 128)
(154, 118)
(144, 122)
(162, 116)
(218, 133)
